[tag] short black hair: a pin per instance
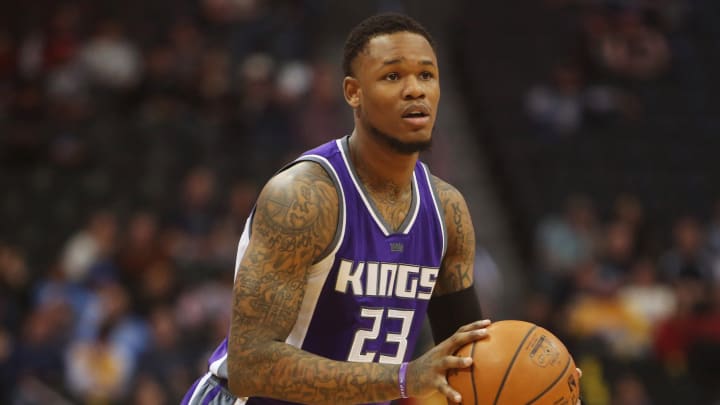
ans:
(380, 24)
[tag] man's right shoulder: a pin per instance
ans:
(301, 201)
(301, 173)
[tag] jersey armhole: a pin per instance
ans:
(439, 211)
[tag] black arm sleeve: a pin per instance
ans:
(449, 312)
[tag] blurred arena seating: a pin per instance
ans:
(601, 120)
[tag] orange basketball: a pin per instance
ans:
(518, 363)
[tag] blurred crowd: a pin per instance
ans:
(639, 308)
(133, 138)
(635, 292)
(623, 49)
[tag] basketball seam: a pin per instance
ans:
(562, 373)
(512, 362)
(472, 372)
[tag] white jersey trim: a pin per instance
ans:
(368, 205)
(417, 206)
(243, 243)
(319, 271)
(438, 210)
(200, 384)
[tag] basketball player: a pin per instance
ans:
(350, 246)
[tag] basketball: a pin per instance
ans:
(518, 363)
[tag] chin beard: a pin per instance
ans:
(404, 148)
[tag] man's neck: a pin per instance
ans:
(381, 169)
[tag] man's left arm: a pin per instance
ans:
(454, 302)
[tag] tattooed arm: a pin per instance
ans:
(456, 272)
(454, 301)
(294, 222)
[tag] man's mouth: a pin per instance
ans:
(417, 115)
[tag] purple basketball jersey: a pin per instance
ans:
(367, 298)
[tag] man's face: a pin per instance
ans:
(398, 89)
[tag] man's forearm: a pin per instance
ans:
(278, 370)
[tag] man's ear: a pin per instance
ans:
(351, 91)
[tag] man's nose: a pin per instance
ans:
(413, 88)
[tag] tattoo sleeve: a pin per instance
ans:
(456, 272)
(295, 220)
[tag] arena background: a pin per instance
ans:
(134, 136)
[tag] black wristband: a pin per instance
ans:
(449, 312)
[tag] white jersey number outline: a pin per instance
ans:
(377, 315)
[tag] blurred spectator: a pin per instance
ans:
(688, 257)
(111, 60)
(39, 347)
(89, 252)
(108, 342)
(598, 312)
(109, 307)
(617, 42)
(688, 343)
(166, 363)
(196, 208)
(557, 106)
(214, 81)
(140, 247)
(646, 295)
(634, 49)
(566, 241)
(97, 370)
(618, 251)
(673, 336)
(158, 285)
(293, 82)
(629, 210)
(564, 105)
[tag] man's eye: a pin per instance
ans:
(392, 76)
(426, 75)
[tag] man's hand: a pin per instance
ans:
(428, 373)
(579, 372)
